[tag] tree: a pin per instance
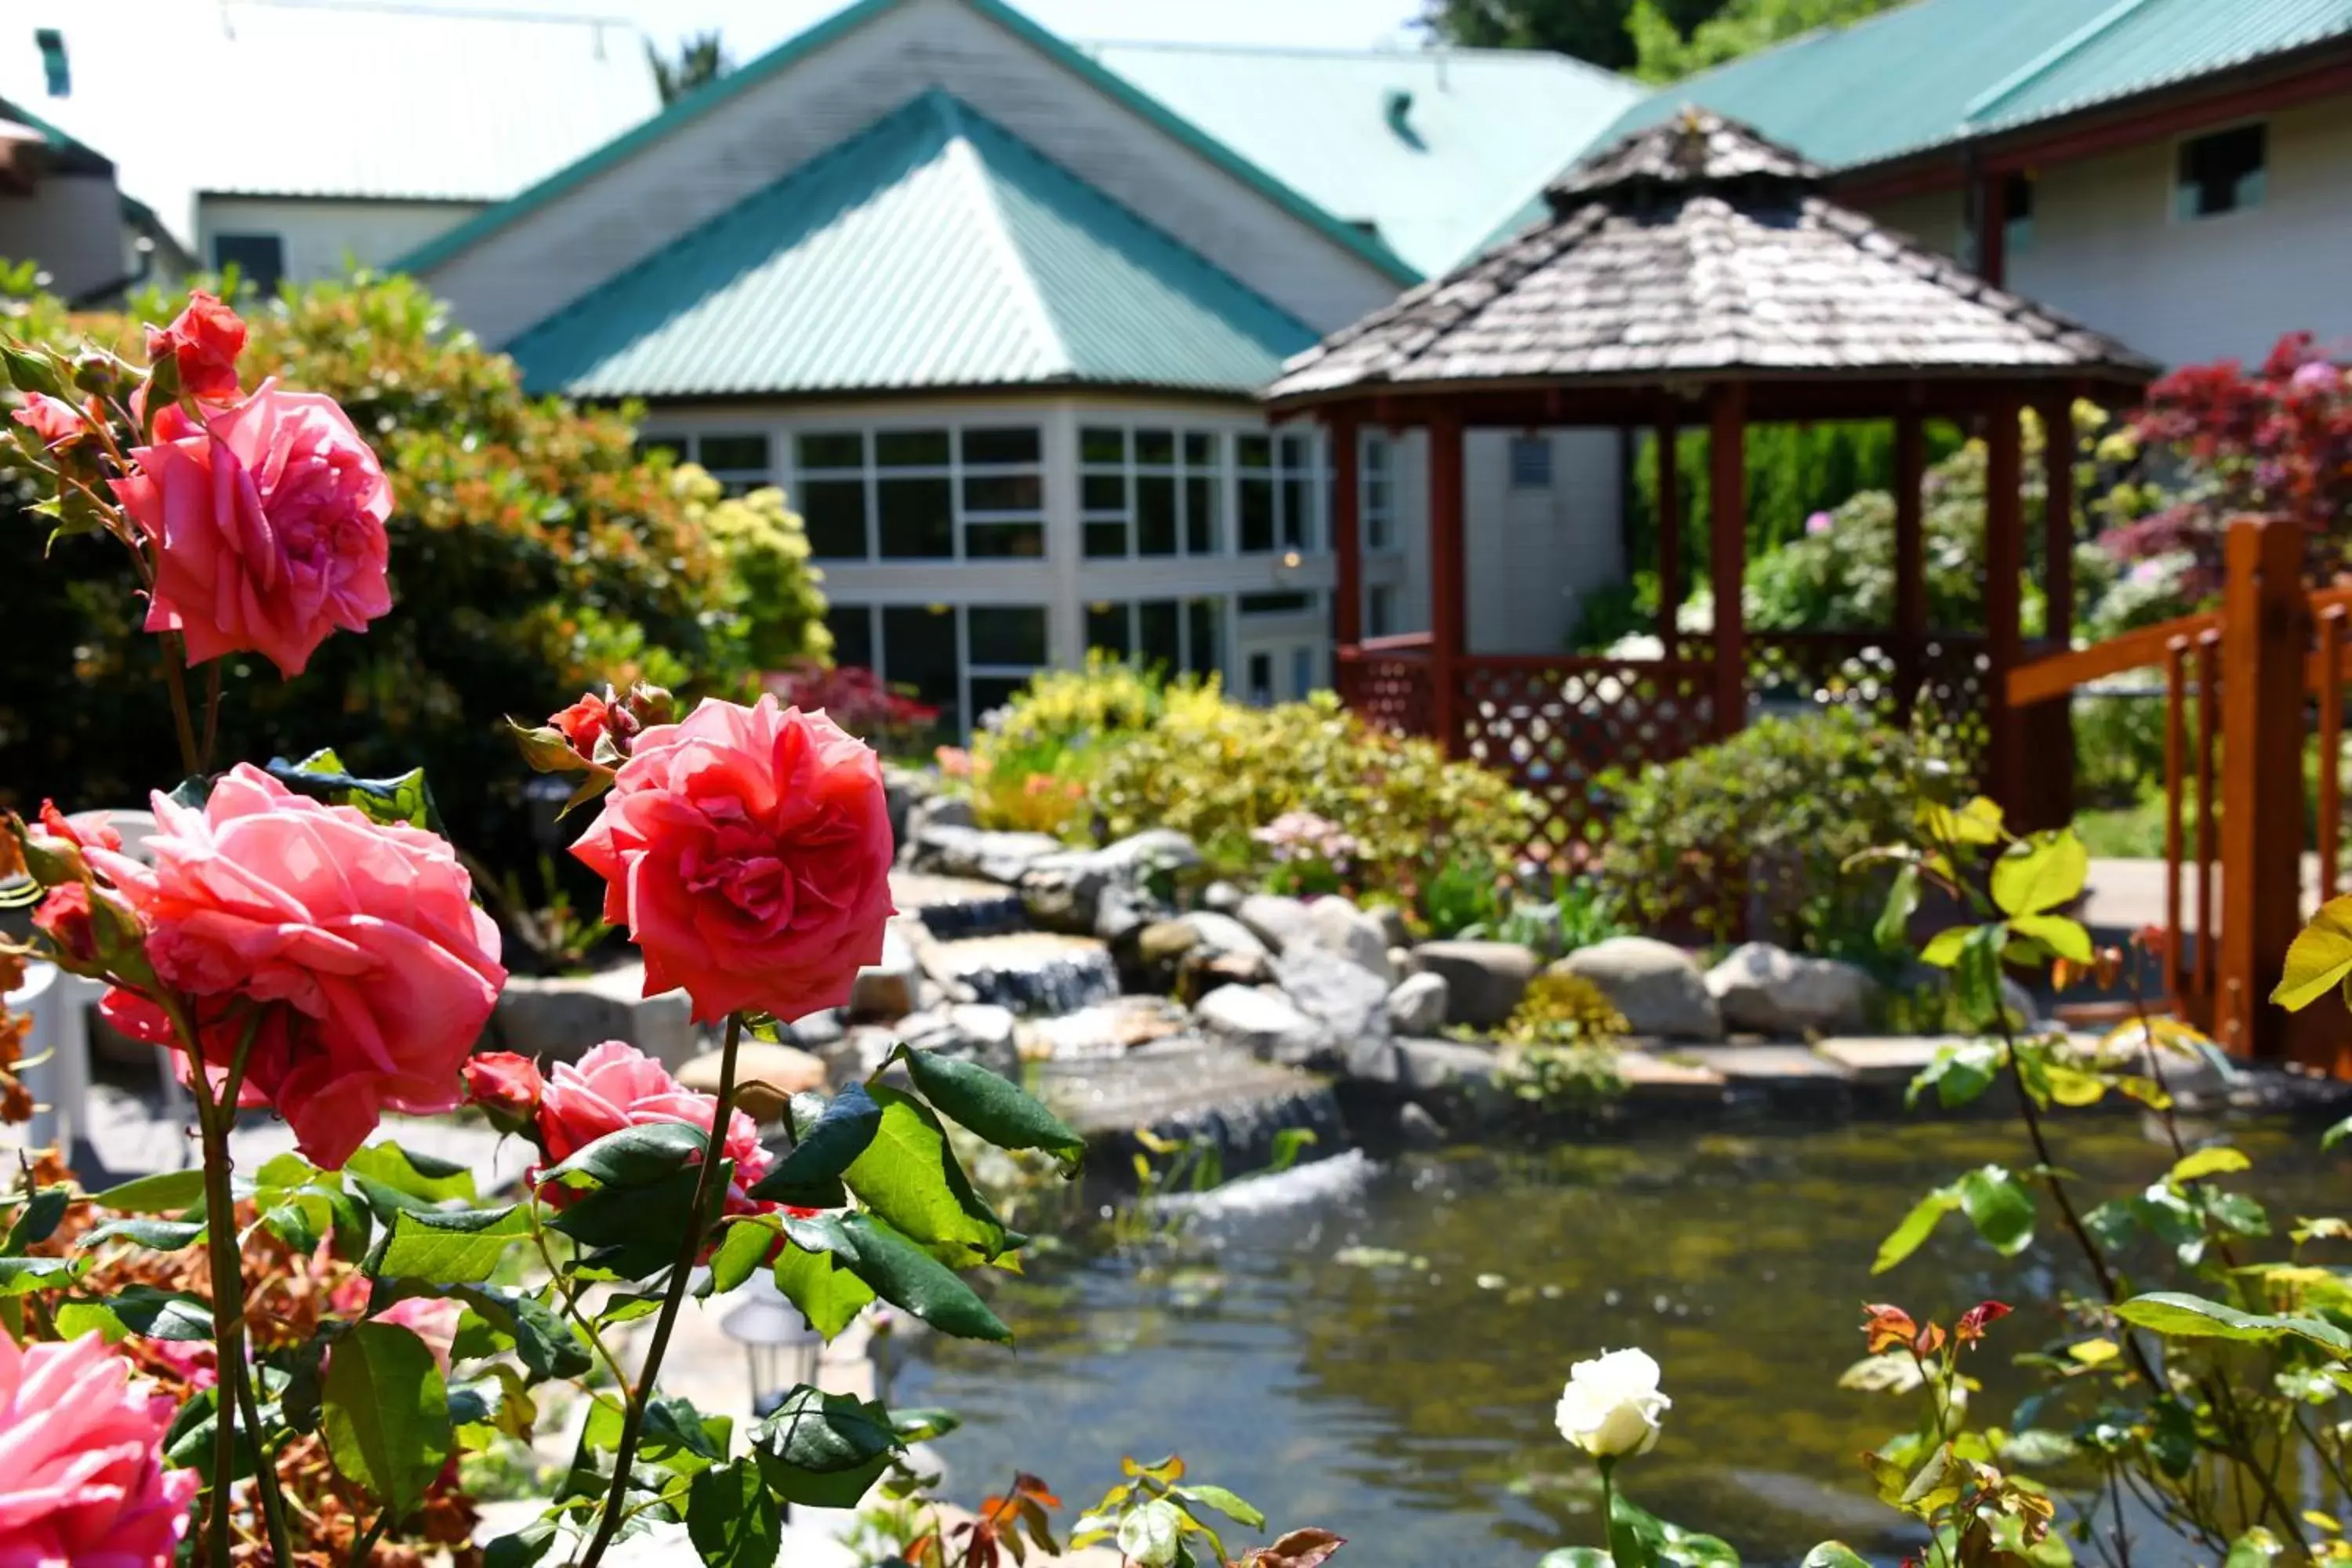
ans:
(1666, 48)
(702, 59)
(1596, 31)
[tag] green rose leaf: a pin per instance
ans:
(999, 1111)
(810, 1176)
(524, 1548)
(743, 1247)
(154, 1194)
(2180, 1315)
(462, 1247)
(900, 1272)
(2319, 958)
(1893, 930)
(731, 1520)
(155, 1235)
(635, 1232)
(1975, 973)
(1638, 1537)
(2040, 873)
(2218, 1161)
(423, 1176)
(403, 799)
(1224, 1502)
(155, 1314)
(2336, 1134)
(544, 1342)
(2061, 936)
(635, 1156)
(386, 1414)
(39, 1221)
(823, 1286)
(823, 1450)
(909, 1177)
(19, 1276)
(2000, 1207)
(1834, 1555)
(1915, 1227)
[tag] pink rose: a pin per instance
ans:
(82, 1482)
(748, 852)
(205, 340)
(53, 419)
(267, 527)
(615, 1085)
(365, 936)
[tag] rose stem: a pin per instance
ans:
(175, 653)
(632, 1420)
(212, 714)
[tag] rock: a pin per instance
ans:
(767, 1076)
(1349, 1001)
(1120, 910)
(945, 1034)
(904, 789)
(1061, 893)
(1338, 927)
(1276, 920)
(953, 907)
(971, 852)
(1029, 971)
(1484, 980)
(1222, 896)
(1767, 990)
(1223, 933)
(886, 992)
(1428, 1065)
(1140, 856)
(1163, 942)
(1417, 1128)
(1655, 984)
(1263, 1021)
(933, 811)
(862, 1048)
(1401, 963)
(557, 1019)
(1103, 892)
(991, 1029)
(1105, 1029)
(1419, 1004)
(1392, 927)
(819, 1029)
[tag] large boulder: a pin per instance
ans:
(903, 790)
(1484, 980)
(1419, 1004)
(1265, 1022)
(927, 812)
(1655, 984)
(1767, 990)
(951, 851)
(1348, 1000)
(1276, 920)
(557, 1019)
(1339, 928)
(886, 992)
(1104, 892)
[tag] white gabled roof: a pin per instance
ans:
(304, 98)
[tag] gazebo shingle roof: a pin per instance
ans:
(1698, 249)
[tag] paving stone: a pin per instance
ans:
(1764, 1062)
(1883, 1059)
(1656, 1078)
(953, 906)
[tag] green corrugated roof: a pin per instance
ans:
(934, 249)
(1939, 71)
(1430, 147)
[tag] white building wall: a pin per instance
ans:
(72, 225)
(324, 237)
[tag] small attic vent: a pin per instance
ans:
(1399, 115)
(54, 67)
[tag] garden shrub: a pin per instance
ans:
(1763, 824)
(534, 551)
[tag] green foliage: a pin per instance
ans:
(1560, 1046)
(1775, 813)
(386, 1414)
(534, 553)
(1663, 53)
(1592, 30)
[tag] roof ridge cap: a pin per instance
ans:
(2073, 43)
(965, 158)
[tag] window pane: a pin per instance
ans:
(1012, 444)
(1530, 463)
(1106, 538)
(259, 258)
(834, 511)
(990, 692)
(1158, 620)
(1155, 515)
(1104, 492)
(1254, 451)
(1261, 677)
(1276, 603)
(2222, 172)
(1298, 508)
(1107, 629)
(1200, 450)
(1100, 446)
(1003, 492)
(842, 449)
(1380, 613)
(734, 452)
(1205, 620)
(853, 635)
(1007, 633)
(1155, 447)
(918, 518)
(911, 448)
(919, 650)
(1257, 515)
(1376, 457)
(1294, 451)
(1302, 671)
(993, 540)
(1201, 530)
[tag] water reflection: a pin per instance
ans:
(1384, 1361)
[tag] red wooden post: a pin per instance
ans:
(1726, 506)
(1445, 577)
(1992, 229)
(2263, 639)
(1348, 529)
(2004, 564)
(1910, 568)
(1662, 442)
(2050, 726)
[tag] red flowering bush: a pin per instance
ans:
(857, 700)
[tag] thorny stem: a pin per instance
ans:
(212, 713)
(176, 656)
(572, 1301)
(633, 1421)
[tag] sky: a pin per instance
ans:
(751, 26)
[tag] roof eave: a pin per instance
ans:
(2130, 376)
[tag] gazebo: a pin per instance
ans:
(1694, 274)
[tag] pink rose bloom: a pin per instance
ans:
(507, 1087)
(748, 852)
(268, 526)
(615, 1085)
(366, 936)
(205, 340)
(82, 1483)
(53, 419)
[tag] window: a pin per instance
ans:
(919, 652)
(1376, 488)
(1380, 611)
(923, 495)
(964, 661)
(1261, 678)
(259, 258)
(1007, 645)
(1186, 636)
(2016, 214)
(1302, 671)
(1150, 491)
(738, 462)
(1278, 492)
(57, 72)
(1276, 603)
(1530, 462)
(2221, 173)
(852, 627)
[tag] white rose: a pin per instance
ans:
(1610, 1407)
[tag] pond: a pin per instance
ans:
(1384, 1359)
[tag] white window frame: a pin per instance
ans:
(1185, 652)
(955, 471)
(1376, 490)
(966, 669)
(1313, 467)
(1180, 471)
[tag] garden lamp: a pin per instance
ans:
(781, 1348)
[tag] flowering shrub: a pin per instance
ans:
(857, 700)
(339, 1322)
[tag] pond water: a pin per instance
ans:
(1382, 1359)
